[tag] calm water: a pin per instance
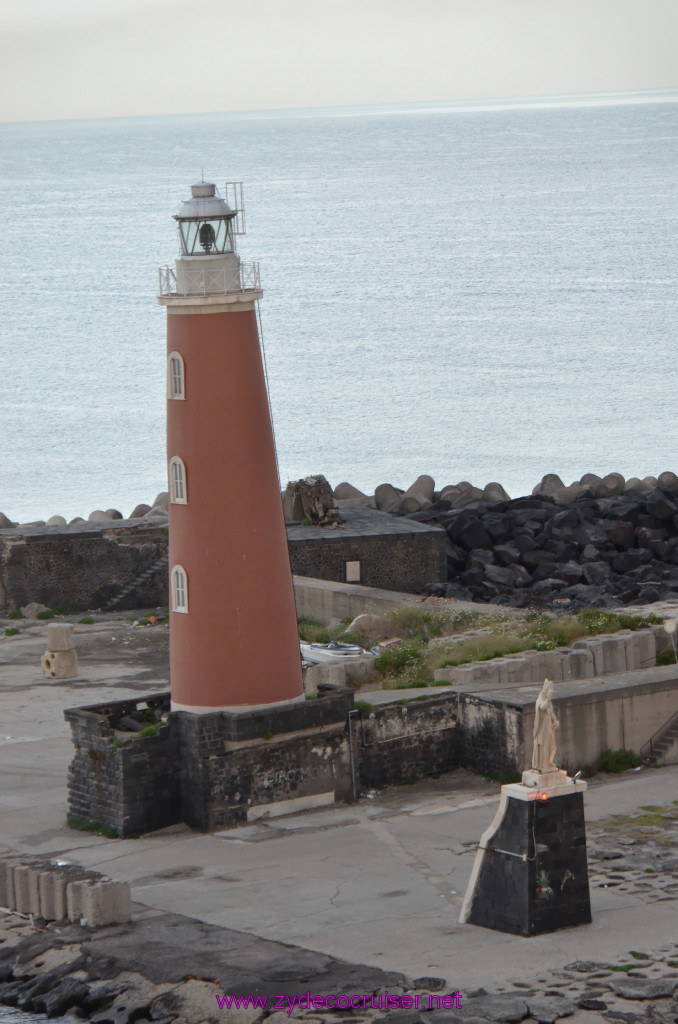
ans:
(8, 1015)
(478, 292)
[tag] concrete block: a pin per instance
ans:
(548, 665)
(7, 885)
(631, 649)
(75, 899)
(46, 892)
(647, 647)
(60, 637)
(485, 672)
(502, 665)
(565, 665)
(60, 664)
(614, 654)
(595, 645)
(581, 663)
(21, 898)
(60, 883)
(33, 880)
(106, 903)
(518, 669)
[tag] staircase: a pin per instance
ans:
(663, 747)
(138, 581)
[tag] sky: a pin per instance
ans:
(63, 59)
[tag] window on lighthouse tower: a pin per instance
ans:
(179, 589)
(175, 376)
(177, 481)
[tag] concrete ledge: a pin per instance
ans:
(293, 806)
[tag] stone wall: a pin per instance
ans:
(490, 734)
(393, 554)
(405, 742)
(83, 566)
(124, 563)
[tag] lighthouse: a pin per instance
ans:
(233, 630)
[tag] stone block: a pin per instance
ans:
(21, 898)
(485, 672)
(595, 646)
(59, 883)
(614, 654)
(581, 663)
(60, 637)
(547, 665)
(60, 664)
(502, 667)
(106, 903)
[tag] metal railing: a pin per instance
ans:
(203, 281)
(647, 751)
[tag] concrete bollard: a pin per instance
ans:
(33, 882)
(75, 898)
(48, 909)
(21, 899)
(7, 885)
(60, 660)
(106, 903)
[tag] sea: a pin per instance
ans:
(482, 291)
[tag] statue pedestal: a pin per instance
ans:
(530, 874)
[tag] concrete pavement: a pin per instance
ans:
(378, 883)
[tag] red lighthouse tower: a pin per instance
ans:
(233, 632)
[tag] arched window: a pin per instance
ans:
(179, 589)
(175, 376)
(177, 481)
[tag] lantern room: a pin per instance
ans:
(205, 223)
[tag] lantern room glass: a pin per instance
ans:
(206, 237)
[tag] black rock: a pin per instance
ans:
(595, 572)
(660, 505)
(506, 554)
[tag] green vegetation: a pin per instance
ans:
(85, 825)
(504, 777)
(429, 637)
(638, 956)
(16, 614)
(612, 761)
(150, 730)
(86, 620)
(149, 715)
(364, 707)
(666, 657)
(48, 613)
(624, 968)
(12, 631)
(62, 609)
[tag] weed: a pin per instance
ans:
(149, 715)
(623, 968)
(47, 613)
(672, 963)
(311, 696)
(86, 620)
(617, 761)
(268, 735)
(117, 743)
(150, 730)
(313, 632)
(12, 631)
(364, 707)
(666, 657)
(638, 956)
(650, 871)
(504, 777)
(61, 609)
(16, 614)
(81, 824)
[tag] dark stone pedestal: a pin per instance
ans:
(531, 873)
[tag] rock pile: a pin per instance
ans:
(588, 552)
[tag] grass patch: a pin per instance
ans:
(150, 730)
(623, 968)
(81, 824)
(638, 956)
(364, 707)
(613, 761)
(16, 614)
(86, 620)
(504, 777)
(47, 613)
(12, 631)
(666, 657)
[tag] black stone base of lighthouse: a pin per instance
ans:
(531, 871)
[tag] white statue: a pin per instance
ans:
(545, 725)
